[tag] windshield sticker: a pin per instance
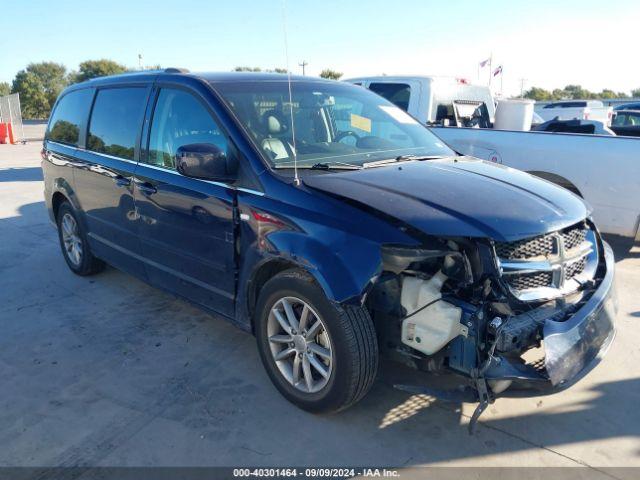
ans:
(398, 115)
(362, 123)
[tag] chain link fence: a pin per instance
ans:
(10, 113)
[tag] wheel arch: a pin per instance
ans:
(558, 180)
(259, 277)
(57, 199)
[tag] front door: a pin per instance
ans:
(185, 225)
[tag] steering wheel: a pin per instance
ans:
(345, 134)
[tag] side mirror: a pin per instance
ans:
(204, 160)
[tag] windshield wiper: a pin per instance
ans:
(320, 166)
(400, 158)
(334, 166)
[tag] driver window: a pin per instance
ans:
(180, 119)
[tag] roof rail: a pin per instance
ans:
(176, 70)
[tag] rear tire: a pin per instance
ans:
(74, 244)
(341, 354)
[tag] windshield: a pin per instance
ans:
(334, 123)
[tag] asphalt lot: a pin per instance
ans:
(107, 371)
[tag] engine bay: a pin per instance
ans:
(451, 308)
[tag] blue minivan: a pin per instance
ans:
(334, 227)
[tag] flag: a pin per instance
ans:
(497, 71)
(484, 62)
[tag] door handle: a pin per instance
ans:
(146, 188)
(121, 181)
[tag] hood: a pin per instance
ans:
(459, 197)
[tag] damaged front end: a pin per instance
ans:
(518, 318)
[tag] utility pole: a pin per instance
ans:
(522, 82)
(303, 65)
(140, 61)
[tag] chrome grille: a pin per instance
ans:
(575, 268)
(549, 265)
(573, 237)
(525, 249)
(523, 282)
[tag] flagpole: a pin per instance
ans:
(490, 68)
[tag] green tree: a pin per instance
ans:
(258, 69)
(247, 69)
(330, 74)
(97, 68)
(606, 94)
(538, 94)
(39, 86)
(5, 89)
(571, 92)
(635, 92)
(33, 97)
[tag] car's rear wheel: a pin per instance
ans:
(320, 356)
(74, 244)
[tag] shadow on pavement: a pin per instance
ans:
(26, 174)
(622, 247)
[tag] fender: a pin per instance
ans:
(344, 268)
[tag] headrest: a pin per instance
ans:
(274, 122)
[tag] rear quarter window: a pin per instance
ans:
(116, 121)
(68, 117)
(397, 93)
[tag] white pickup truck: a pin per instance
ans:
(604, 170)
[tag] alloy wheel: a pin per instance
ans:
(300, 344)
(71, 239)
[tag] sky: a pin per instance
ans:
(548, 43)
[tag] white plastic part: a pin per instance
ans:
(514, 115)
(430, 329)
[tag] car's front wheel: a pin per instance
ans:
(320, 356)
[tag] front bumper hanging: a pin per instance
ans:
(572, 348)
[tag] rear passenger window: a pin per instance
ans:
(116, 120)
(180, 119)
(70, 113)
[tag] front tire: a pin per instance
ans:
(320, 356)
(74, 244)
